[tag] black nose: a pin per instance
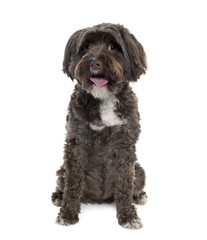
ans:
(96, 66)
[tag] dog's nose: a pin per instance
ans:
(96, 66)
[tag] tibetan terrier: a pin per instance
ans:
(100, 163)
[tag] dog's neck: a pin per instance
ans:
(102, 93)
(102, 112)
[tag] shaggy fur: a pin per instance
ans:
(102, 125)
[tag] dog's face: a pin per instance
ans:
(103, 59)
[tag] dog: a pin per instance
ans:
(100, 163)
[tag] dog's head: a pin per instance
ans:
(103, 59)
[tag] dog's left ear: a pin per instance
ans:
(136, 54)
(71, 53)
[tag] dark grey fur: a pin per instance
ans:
(100, 165)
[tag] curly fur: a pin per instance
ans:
(102, 125)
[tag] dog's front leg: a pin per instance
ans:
(124, 187)
(73, 186)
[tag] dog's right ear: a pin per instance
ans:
(71, 53)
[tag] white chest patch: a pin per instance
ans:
(107, 108)
(101, 93)
(108, 114)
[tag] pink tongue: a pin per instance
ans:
(100, 82)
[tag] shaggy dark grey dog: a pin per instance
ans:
(102, 125)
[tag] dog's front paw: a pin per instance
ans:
(128, 218)
(134, 224)
(66, 219)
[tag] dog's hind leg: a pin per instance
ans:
(57, 196)
(139, 196)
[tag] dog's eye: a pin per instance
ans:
(113, 47)
(86, 47)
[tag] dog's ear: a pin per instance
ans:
(136, 54)
(71, 53)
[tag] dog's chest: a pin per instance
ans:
(108, 114)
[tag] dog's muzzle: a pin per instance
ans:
(96, 68)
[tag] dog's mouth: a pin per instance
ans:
(99, 81)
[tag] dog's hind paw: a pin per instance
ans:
(134, 224)
(57, 202)
(56, 199)
(141, 199)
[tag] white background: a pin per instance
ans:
(34, 94)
